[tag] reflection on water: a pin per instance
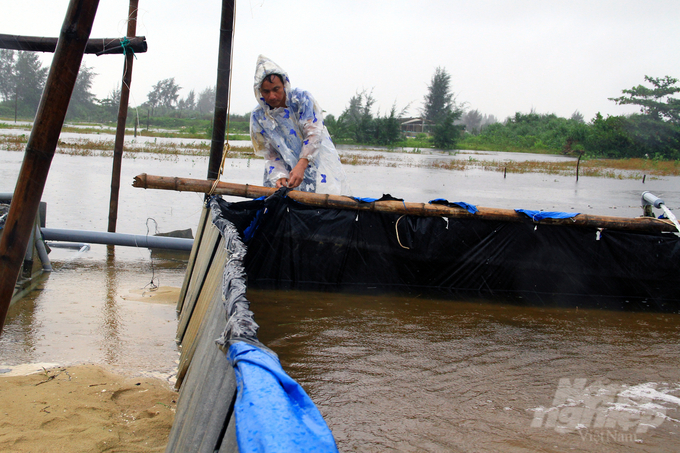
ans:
(79, 315)
(111, 320)
(406, 374)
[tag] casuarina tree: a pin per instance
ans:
(22, 79)
(439, 101)
(82, 104)
(446, 133)
(7, 74)
(439, 107)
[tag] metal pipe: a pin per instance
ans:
(42, 251)
(130, 240)
(29, 248)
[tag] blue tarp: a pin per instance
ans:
(273, 413)
(472, 209)
(540, 215)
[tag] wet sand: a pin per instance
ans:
(99, 345)
(83, 409)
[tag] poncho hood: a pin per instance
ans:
(265, 67)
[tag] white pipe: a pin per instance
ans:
(649, 199)
(130, 240)
(42, 251)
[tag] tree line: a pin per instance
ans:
(654, 132)
(22, 80)
(444, 120)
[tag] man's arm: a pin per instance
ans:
(297, 174)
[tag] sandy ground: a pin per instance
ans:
(84, 409)
(92, 406)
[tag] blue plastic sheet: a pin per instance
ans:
(273, 413)
(540, 215)
(385, 197)
(365, 199)
(472, 209)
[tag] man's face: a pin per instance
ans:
(273, 92)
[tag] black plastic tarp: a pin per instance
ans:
(293, 246)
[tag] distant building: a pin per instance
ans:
(413, 126)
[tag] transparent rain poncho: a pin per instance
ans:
(285, 134)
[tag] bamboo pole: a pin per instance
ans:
(641, 224)
(122, 119)
(42, 143)
(98, 46)
(222, 89)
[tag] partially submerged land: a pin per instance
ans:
(631, 168)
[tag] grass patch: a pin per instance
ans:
(603, 168)
(600, 168)
(110, 129)
(362, 159)
(87, 147)
(472, 146)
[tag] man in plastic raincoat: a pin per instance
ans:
(287, 129)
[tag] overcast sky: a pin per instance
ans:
(503, 56)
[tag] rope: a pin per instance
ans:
(396, 229)
(225, 151)
(152, 285)
(125, 44)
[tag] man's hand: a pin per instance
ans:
(296, 174)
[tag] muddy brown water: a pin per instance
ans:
(388, 372)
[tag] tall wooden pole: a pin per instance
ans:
(222, 88)
(122, 118)
(42, 143)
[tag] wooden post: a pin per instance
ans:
(42, 143)
(122, 118)
(16, 100)
(222, 89)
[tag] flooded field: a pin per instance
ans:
(389, 373)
